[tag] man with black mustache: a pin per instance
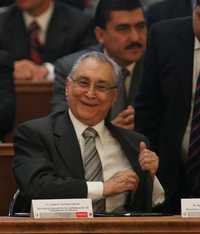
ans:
(121, 31)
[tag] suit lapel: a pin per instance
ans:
(68, 146)
(142, 199)
(135, 81)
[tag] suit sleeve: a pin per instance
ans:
(87, 36)
(7, 94)
(36, 173)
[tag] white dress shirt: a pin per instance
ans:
(113, 160)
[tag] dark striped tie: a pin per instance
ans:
(35, 44)
(92, 164)
(194, 145)
(121, 102)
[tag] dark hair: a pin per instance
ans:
(198, 2)
(104, 8)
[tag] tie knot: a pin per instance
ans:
(89, 133)
(125, 72)
(34, 26)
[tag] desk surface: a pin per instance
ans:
(117, 225)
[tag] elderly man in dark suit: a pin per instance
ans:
(77, 154)
(37, 32)
(7, 94)
(166, 98)
(121, 32)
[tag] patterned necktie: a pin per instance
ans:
(92, 164)
(121, 102)
(35, 45)
(194, 145)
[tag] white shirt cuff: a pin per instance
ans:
(158, 195)
(95, 190)
(51, 73)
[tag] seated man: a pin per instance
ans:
(7, 94)
(77, 154)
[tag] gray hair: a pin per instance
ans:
(98, 56)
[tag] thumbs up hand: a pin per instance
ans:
(148, 159)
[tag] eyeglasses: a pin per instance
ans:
(99, 86)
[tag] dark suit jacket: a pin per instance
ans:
(168, 9)
(48, 161)
(164, 99)
(69, 30)
(7, 94)
(6, 3)
(63, 67)
(75, 3)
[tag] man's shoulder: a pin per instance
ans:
(69, 12)
(9, 18)
(172, 25)
(43, 124)
(8, 13)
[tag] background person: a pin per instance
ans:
(165, 101)
(37, 32)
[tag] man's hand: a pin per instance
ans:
(27, 70)
(148, 160)
(125, 119)
(120, 182)
(40, 73)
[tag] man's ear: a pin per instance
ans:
(67, 83)
(99, 32)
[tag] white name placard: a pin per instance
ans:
(62, 208)
(190, 207)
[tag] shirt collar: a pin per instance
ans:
(130, 67)
(80, 127)
(42, 20)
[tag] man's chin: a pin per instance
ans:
(135, 55)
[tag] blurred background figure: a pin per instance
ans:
(166, 99)
(37, 32)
